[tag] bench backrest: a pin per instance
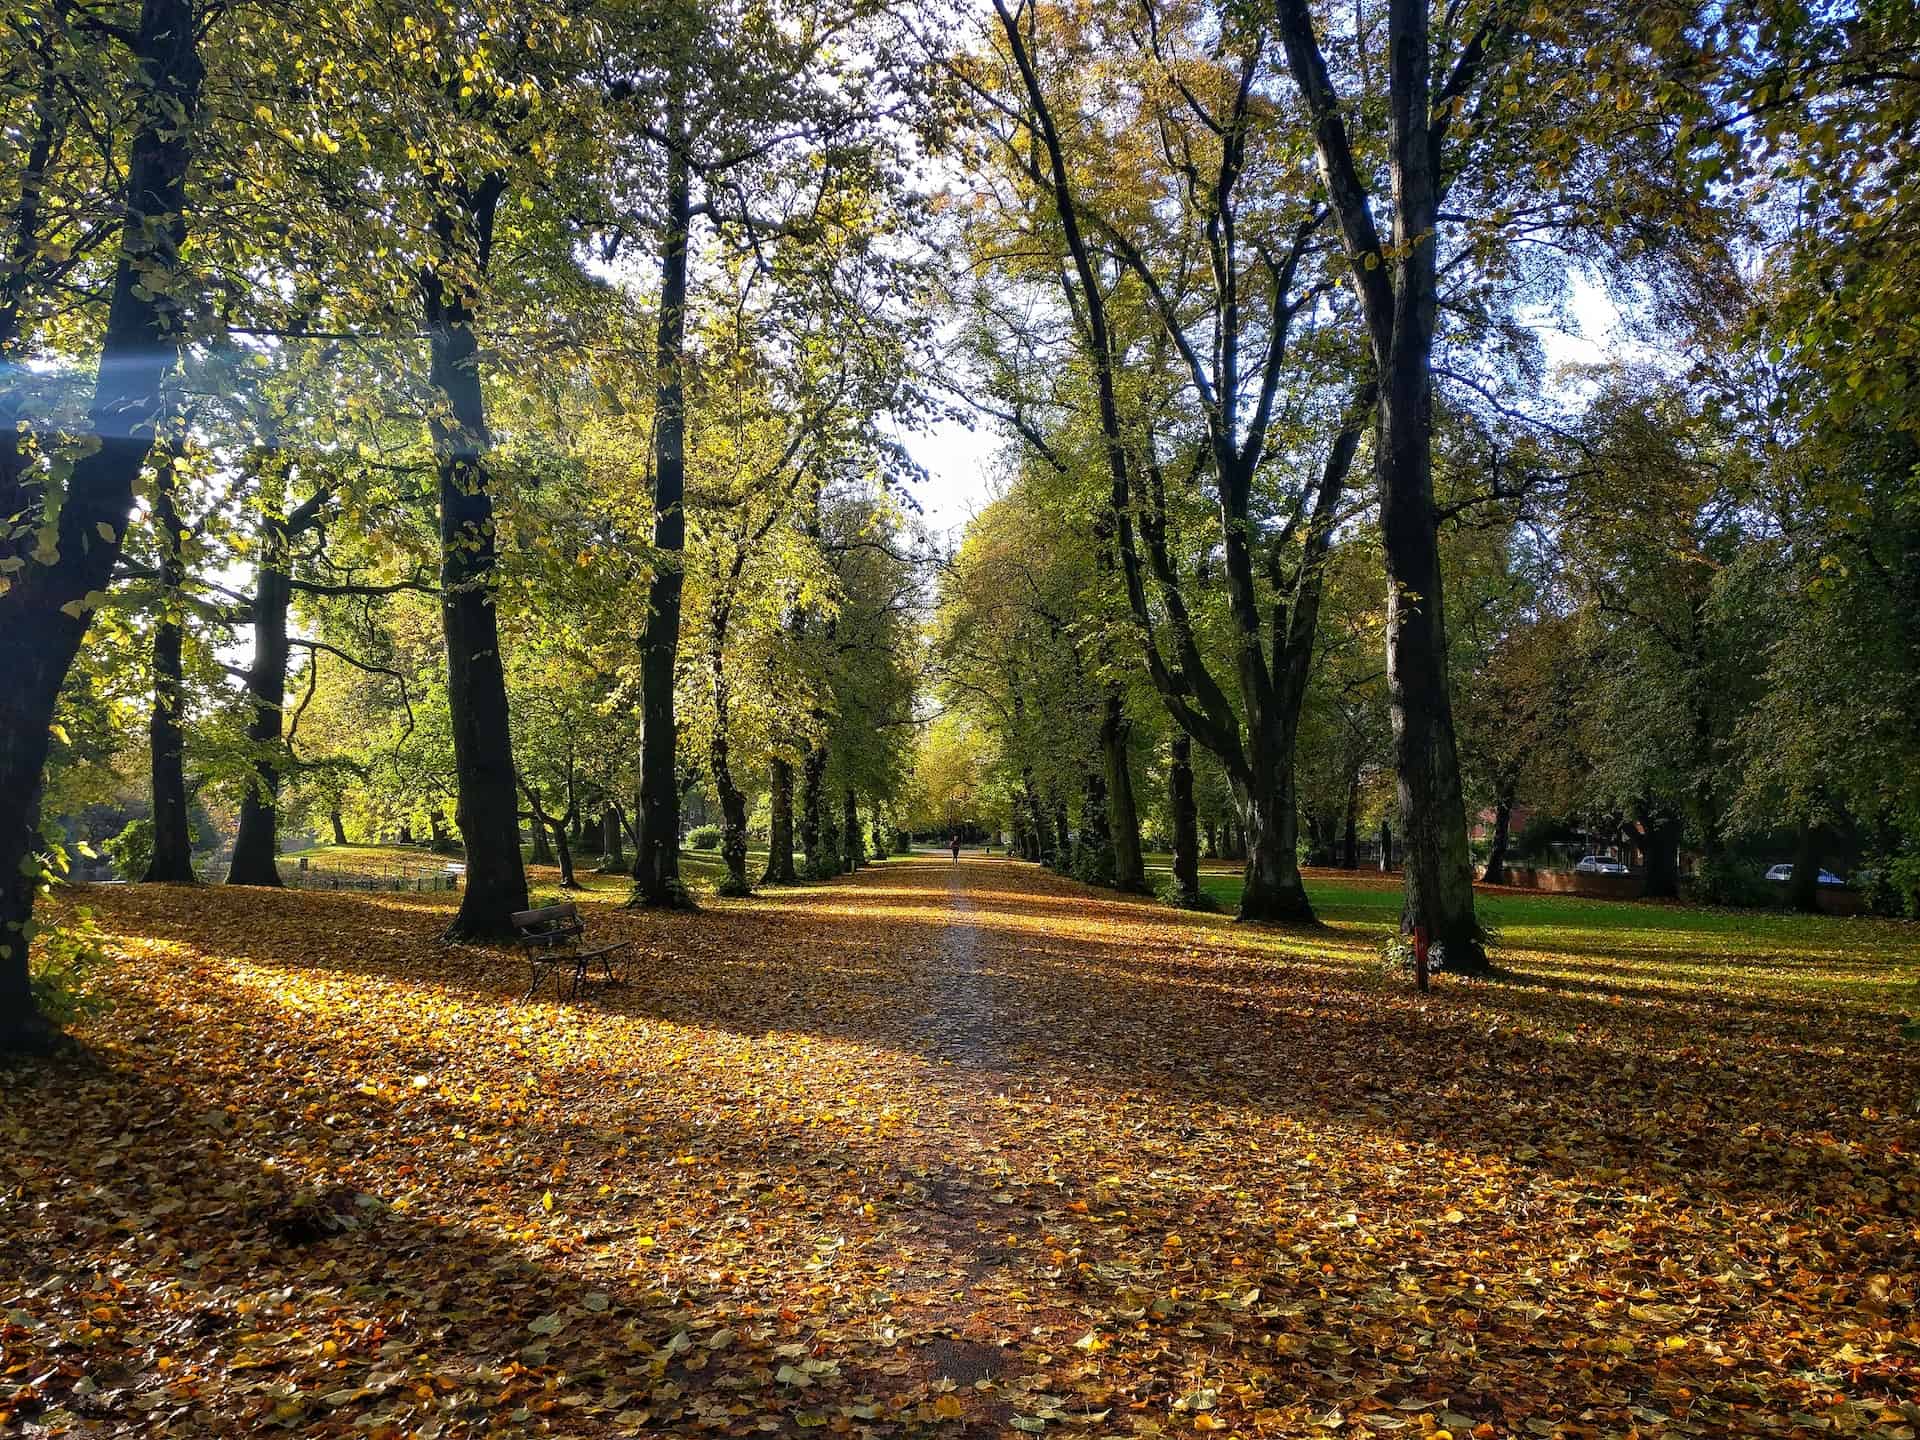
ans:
(565, 913)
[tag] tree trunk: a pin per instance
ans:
(1386, 847)
(1093, 860)
(45, 612)
(656, 859)
(1122, 811)
(853, 854)
(1062, 838)
(1496, 871)
(816, 828)
(1660, 850)
(563, 843)
(1399, 299)
(486, 809)
(256, 845)
(172, 861)
(1803, 890)
(1273, 890)
(1213, 839)
(542, 846)
(437, 828)
(339, 827)
(1186, 824)
(780, 824)
(1350, 841)
(733, 820)
(612, 851)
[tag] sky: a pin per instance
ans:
(962, 463)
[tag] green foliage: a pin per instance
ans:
(132, 849)
(1733, 882)
(66, 971)
(704, 837)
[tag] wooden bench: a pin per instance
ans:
(551, 936)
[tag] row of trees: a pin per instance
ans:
(1226, 256)
(588, 327)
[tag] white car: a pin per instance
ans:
(1599, 865)
(1785, 872)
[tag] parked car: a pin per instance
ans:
(1599, 865)
(1785, 872)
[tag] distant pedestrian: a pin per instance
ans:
(954, 845)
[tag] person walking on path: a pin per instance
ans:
(954, 845)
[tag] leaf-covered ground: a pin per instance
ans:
(964, 1150)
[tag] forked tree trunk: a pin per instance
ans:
(1186, 824)
(172, 861)
(656, 851)
(486, 811)
(45, 611)
(779, 824)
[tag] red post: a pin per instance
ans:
(1420, 957)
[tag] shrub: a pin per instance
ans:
(1723, 880)
(704, 837)
(65, 974)
(131, 851)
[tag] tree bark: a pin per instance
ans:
(485, 809)
(172, 861)
(1186, 824)
(656, 859)
(1093, 861)
(1062, 838)
(1123, 811)
(563, 844)
(780, 824)
(256, 846)
(45, 612)
(1350, 840)
(339, 827)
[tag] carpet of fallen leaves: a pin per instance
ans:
(955, 1151)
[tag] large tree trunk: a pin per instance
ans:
(1400, 300)
(1273, 890)
(816, 826)
(1186, 823)
(45, 612)
(1496, 871)
(733, 818)
(256, 847)
(780, 824)
(656, 859)
(1123, 813)
(486, 810)
(339, 827)
(172, 861)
